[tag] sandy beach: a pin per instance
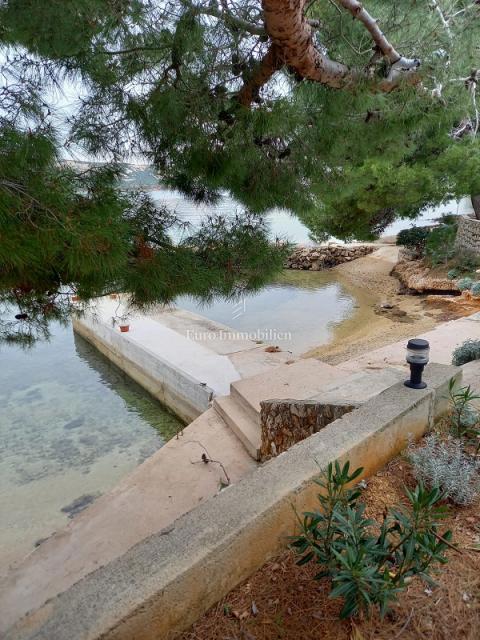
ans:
(372, 326)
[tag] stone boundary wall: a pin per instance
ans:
(326, 256)
(164, 583)
(286, 422)
(468, 235)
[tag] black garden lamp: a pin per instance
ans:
(417, 357)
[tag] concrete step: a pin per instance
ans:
(241, 423)
(358, 387)
(300, 381)
(305, 380)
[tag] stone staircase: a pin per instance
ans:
(303, 380)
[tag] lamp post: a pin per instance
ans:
(417, 357)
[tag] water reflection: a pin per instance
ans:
(305, 305)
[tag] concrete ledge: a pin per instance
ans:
(181, 393)
(164, 583)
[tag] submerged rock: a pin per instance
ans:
(74, 424)
(79, 504)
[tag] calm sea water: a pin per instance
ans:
(299, 311)
(282, 224)
(71, 425)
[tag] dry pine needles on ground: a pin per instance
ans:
(282, 601)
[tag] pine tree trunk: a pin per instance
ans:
(476, 205)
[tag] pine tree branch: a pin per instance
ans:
(266, 68)
(400, 66)
(360, 13)
(443, 20)
(291, 34)
(226, 17)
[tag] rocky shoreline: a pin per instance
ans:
(415, 276)
(322, 257)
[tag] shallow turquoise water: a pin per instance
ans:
(71, 425)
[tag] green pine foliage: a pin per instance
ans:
(65, 233)
(161, 80)
(440, 244)
(414, 238)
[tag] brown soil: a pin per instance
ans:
(369, 279)
(282, 601)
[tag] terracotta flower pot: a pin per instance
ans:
(124, 328)
(113, 296)
(75, 298)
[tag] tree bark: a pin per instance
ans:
(476, 205)
(292, 36)
(357, 10)
(261, 75)
(292, 45)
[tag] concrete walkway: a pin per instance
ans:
(170, 483)
(443, 340)
(181, 358)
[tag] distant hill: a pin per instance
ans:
(135, 176)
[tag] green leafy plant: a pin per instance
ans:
(368, 562)
(440, 244)
(466, 352)
(464, 284)
(414, 238)
(464, 417)
(466, 261)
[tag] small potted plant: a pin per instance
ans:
(121, 320)
(124, 326)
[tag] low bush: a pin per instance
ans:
(464, 417)
(414, 238)
(370, 562)
(452, 274)
(440, 244)
(475, 289)
(446, 466)
(466, 352)
(464, 284)
(466, 261)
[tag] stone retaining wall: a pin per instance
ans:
(286, 422)
(468, 235)
(326, 256)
